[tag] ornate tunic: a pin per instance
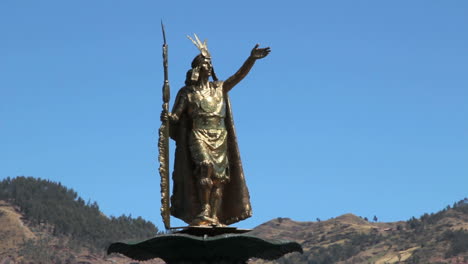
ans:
(208, 138)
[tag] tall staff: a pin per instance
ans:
(163, 143)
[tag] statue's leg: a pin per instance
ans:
(205, 189)
(215, 200)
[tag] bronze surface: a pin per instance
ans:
(209, 184)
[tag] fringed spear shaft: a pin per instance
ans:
(163, 143)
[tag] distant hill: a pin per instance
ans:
(440, 237)
(44, 222)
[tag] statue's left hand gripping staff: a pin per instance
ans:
(163, 142)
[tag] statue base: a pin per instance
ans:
(208, 245)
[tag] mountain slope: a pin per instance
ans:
(13, 232)
(45, 222)
(436, 238)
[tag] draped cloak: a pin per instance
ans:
(185, 201)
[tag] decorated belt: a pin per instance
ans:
(209, 123)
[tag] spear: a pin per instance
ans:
(163, 143)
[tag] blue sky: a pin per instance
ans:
(361, 106)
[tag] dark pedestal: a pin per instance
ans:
(195, 245)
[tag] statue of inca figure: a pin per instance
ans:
(209, 184)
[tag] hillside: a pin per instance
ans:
(45, 222)
(434, 238)
(12, 229)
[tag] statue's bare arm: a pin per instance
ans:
(255, 54)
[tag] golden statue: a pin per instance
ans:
(209, 184)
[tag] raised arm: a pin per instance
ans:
(245, 68)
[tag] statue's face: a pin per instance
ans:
(206, 66)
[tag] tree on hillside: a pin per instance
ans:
(46, 202)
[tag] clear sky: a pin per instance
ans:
(361, 107)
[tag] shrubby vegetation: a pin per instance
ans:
(426, 235)
(336, 252)
(420, 231)
(39, 251)
(458, 242)
(46, 203)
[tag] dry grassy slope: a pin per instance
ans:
(323, 232)
(13, 232)
(313, 234)
(395, 247)
(454, 220)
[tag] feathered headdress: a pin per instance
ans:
(204, 54)
(203, 47)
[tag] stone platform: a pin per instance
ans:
(210, 245)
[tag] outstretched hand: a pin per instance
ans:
(259, 53)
